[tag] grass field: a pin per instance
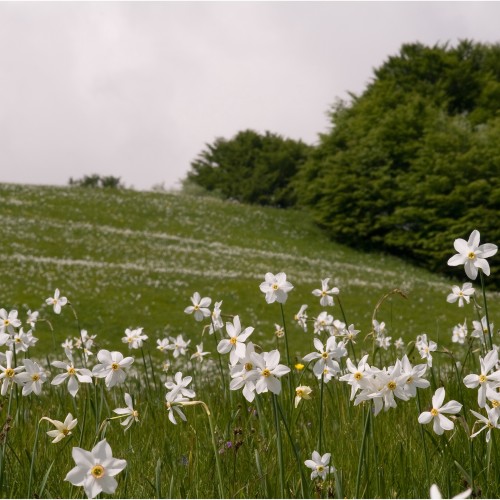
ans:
(130, 259)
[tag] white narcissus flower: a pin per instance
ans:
(235, 345)
(131, 414)
(216, 324)
(355, 375)
(199, 354)
(56, 301)
(319, 465)
(490, 422)
(32, 378)
(435, 493)
(62, 429)
(9, 321)
(268, 371)
(472, 255)
(302, 392)
(325, 293)
(484, 379)
(180, 386)
(32, 318)
(200, 308)
(460, 294)
(243, 374)
(440, 422)
(111, 367)
(301, 317)
(481, 329)
(425, 348)
(8, 374)
(95, 470)
(414, 376)
(134, 338)
(178, 346)
(74, 375)
(276, 288)
(174, 402)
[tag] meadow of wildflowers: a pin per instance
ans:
(173, 347)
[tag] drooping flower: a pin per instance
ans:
(325, 293)
(111, 368)
(440, 422)
(131, 414)
(480, 329)
(276, 288)
(472, 255)
(174, 401)
(490, 421)
(302, 392)
(95, 470)
(56, 301)
(62, 429)
(319, 465)
(200, 308)
(301, 317)
(460, 294)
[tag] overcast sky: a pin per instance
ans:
(136, 89)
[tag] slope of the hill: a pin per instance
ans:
(128, 259)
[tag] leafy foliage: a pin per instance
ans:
(251, 168)
(97, 181)
(413, 162)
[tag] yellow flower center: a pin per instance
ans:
(248, 366)
(9, 372)
(358, 376)
(275, 286)
(35, 377)
(323, 293)
(97, 471)
(232, 340)
(6, 322)
(324, 355)
(65, 431)
(434, 412)
(471, 255)
(135, 414)
(71, 370)
(115, 366)
(299, 392)
(196, 307)
(495, 404)
(482, 379)
(392, 385)
(266, 372)
(320, 468)
(410, 380)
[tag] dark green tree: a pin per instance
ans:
(251, 168)
(414, 161)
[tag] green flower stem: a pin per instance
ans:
(486, 309)
(320, 439)
(424, 444)
(291, 377)
(347, 325)
(280, 447)
(362, 450)
(145, 371)
(33, 456)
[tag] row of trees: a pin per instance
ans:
(97, 181)
(407, 166)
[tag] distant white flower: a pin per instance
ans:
(179, 386)
(200, 308)
(9, 321)
(32, 378)
(62, 429)
(399, 344)
(163, 344)
(21, 341)
(440, 422)
(57, 302)
(325, 293)
(301, 317)
(302, 392)
(67, 345)
(480, 329)
(111, 367)
(132, 415)
(276, 288)
(459, 333)
(323, 323)
(319, 465)
(379, 328)
(95, 469)
(32, 318)
(235, 345)
(472, 255)
(134, 338)
(383, 342)
(199, 354)
(460, 294)
(279, 331)
(327, 355)
(425, 347)
(216, 324)
(178, 346)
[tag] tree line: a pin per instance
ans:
(407, 166)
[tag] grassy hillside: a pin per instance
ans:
(127, 259)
